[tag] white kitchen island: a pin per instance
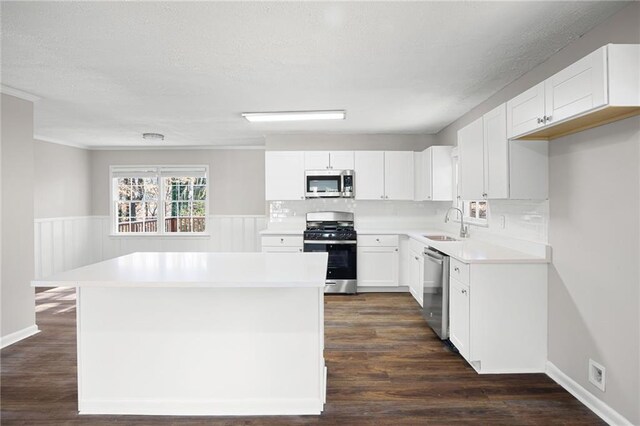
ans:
(200, 333)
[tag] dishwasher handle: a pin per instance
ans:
(434, 256)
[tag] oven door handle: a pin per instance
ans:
(329, 242)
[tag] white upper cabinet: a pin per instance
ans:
(492, 167)
(433, 174)
(398, 175)
(342, 160)
(320, 160)
(369, 169)
(284, 175)
(471, 161)
(578, 88)
(316, 160)
(384, 175)
(496, 153)
(600, 88)
(525, 112)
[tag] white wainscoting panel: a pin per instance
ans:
(70, 242)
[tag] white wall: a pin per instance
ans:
(373, 142)
(62, 181)
(236, 176)
(594, 282)
(593, 208)
(18, 297)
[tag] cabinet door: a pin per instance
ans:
(316, 160)
(414, 275)
(578, 88)
(496, 148)
(471, 158)
(341, 160)
(284, 175)
(369, 181)
(459, 316)
(441, 168)
(421, 178)
(378, 266)
(525, 112)
(398, 175)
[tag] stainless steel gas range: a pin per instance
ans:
(333, 232)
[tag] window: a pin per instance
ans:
(159, 200)
(475, 211)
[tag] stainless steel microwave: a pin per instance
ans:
(329, 183)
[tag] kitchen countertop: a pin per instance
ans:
(230, 270)
(466, 251)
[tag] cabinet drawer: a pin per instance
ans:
(378, 240)
(282, 241)
(459, 271)
(416, 246)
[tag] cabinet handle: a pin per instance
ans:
(396, 249)
(464, 291)
(282, 240)
(456, 269)
(540, 120)
(378, 239)
(416, 258)
(386, 196)
(300, 250)
(547, 118)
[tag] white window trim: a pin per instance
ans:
(161, 233)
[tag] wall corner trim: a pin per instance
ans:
(600, 408)
(15, 337)
(18, 93)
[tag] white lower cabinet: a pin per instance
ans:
(498, 316)
(378, 261)
(282, 244)
(416, 271)
(459, 316)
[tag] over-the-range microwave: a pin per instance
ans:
(329, 183)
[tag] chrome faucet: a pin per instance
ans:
(464, 230)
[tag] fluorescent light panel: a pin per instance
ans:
(261, 117)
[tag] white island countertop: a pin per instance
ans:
(259, 270)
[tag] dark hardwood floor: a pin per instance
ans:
(385, 365)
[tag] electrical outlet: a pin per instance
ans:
(597, 374)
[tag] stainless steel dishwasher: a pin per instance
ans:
(436, 291)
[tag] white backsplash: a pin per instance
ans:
(523, 220)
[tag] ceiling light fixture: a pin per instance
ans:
(261, 117)
(153, 137)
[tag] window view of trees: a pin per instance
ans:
(183, 204)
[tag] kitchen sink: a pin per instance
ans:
(439, 238)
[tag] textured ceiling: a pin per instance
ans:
(109, 71)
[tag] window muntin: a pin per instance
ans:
(145, 197)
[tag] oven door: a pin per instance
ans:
(323, 184)
(342, 258)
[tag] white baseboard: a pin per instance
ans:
(600, 408)
(12, 338)
(239, 407)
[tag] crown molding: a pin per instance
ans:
(174, 147)
(19, 93)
